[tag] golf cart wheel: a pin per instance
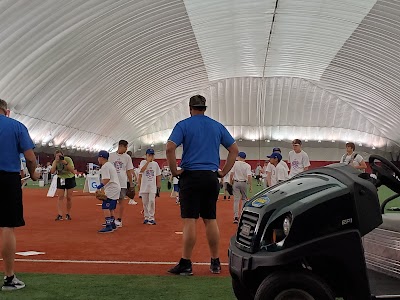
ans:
(293, 286)
(240, 291)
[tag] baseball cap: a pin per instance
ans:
(150, 151)
(104, 154)
(276, 149)
(242, 155)
(197, 101)
(275, 155)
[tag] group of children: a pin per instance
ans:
(116, 173)
(276, 170)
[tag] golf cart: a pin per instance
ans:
(302, 239)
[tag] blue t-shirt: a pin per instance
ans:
(201, 137)
(14, 139)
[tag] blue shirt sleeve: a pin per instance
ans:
(177, 135)
(226, 139)
(24, 140)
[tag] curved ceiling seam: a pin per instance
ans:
(345, 100)
(361, 85)
(261, 95)
(69, 127)
(165, 113)
(338, 98)
(348, 94)
(31, 49)
(290, 126)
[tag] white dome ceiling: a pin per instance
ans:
(85, 74)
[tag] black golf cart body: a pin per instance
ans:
(329, 209)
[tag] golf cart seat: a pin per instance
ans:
(382, 246)
(391, 221)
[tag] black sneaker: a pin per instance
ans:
(224, 197)
(12, 284)
(215, 266)
(68, 217)
(184, 267)
(59, 218)
(235, 220)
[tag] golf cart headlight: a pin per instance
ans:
(287, 223)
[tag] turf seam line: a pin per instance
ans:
(107, 262)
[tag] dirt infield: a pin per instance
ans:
(76, 247)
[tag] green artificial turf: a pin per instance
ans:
(86, 287)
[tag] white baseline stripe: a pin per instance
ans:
(107, 262)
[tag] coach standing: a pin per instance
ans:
(201, 137)
(14, 139)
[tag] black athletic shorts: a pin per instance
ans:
(198, 194)
(70, 183)
(11, 211)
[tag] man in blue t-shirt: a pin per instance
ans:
(15, 140)
(201, 138)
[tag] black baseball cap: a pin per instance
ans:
(197, 101)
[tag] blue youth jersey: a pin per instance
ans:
(14, 139)
(201, 137)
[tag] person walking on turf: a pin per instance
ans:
(201, 138)
(240, 178)
(15, 140)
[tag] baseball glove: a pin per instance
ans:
(169, 185)
(130, 193)
(100, 195)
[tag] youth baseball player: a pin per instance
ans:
(123, 164)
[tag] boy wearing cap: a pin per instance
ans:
(298, 159)
(112, 189)
(276, 172)
(240, 178)
(282, 162)
(149, 183)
